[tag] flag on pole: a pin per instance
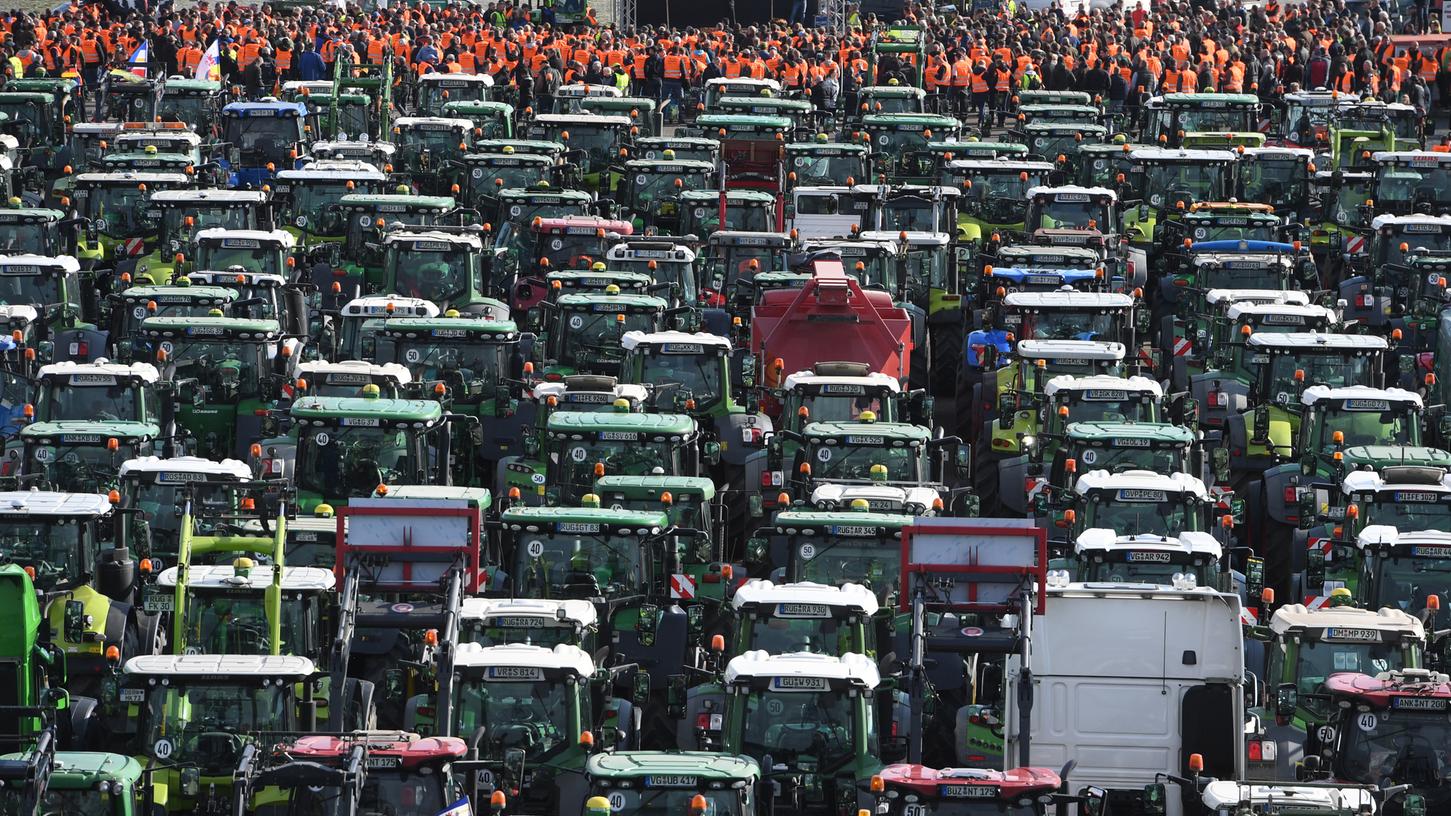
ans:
(459, 808)
(210, 65)
(137, 60)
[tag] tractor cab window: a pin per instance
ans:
(236, 623)
(636, 458)
(578, 566)
(315, 200)
(790, 725)
(403, 791)
(1271, 181)
(1113, 566)
(1416, 242)
(643, 801)
(1169, 517)
(436, 276)
(594, 337)
(203, 217)
(1388, 427)
(1404, 746)
(1413, 185)
(470, 362)
(110, 403)
(118, 210)
(159, 504)
(1129, 409)
(827, 170)
(855, 462)
(26, 237)
(218, 363)
(1213, 230)
(779, 635)
(1201, 181)
(51, 545)
(1242, 275)
(698, 375)
(1066, 324)
(871, 562)
(1334, 370)
(1117, 459)
(843, 408)
(353, 460)
(259, 258)
(1073, 211)
(1408, 515)
(202, 725)
(514, 715)
(1406, 581)
(263, 138)
(998, 198)
(1319, 659)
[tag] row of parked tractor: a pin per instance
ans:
(550, 463)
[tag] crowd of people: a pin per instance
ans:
(974, 60)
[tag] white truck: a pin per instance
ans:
(1130, 680)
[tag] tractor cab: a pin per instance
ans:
(154, 491)
(262, 295)
(1138, 500)
(101, 391)
(1306, 121)
(437, 90)
(584, 446)
(802, 113)
(31, 121)
(1279, 176)
(899, 144)
(1069, 315)
(994, 193)
(119, 221)
(547, 623)
(585, 332)
(353, 333)
(467, 359)
(1059, 142)
(1176, 117)
(184, 214)
(745, 211)
(840, 392)
(1361, 128)
(482, 176)
(39, 297)
(191, 730)
(720, 87)
(638, 783)
(1405, 560)
(1121, 446)
(307, 195)
(428, 146)
(230, 609)
(684, 371)
(682, 148)
(670, 265)
(445, 268)
(194, 101)
(1408, 182)
(826, 164)
(1169, 181)
(1071, 207)
(592, 143)
(1041, 269)
(378, 155)
(79, 455)
(733, 258)
(650, 190)
(129, 307)
(236, 369)
(35, 231)
(362, 772)
(516, 210)
(258, 252)
(750, 148)
(1103, 555)
(347, 446)
(87, 142)
(567, 98)
(891, 99)
(261, 137)
(367, 221)
(320, 378)
(810, 714)
(642, 112)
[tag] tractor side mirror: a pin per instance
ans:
(1261, 424)
(1287, 699)
(1254, 576)
(395, 681)
(1414, 805)
(1314, 569)
(645, 624)
(675, 696)
(1091, 801)
(640, 691)
(1155, 799)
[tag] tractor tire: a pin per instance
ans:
(920, 374)
(946, 342)
(1271, 540)
(965, 397)
(985, 483)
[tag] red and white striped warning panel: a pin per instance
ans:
(133, 246)
(682, 586)
(1182, 346)
(1355, 244)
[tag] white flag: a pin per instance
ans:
(209, 67)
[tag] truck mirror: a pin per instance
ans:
(1155, 799)
(1315, 569)
(1287, 699)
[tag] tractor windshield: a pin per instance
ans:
(1416, 243)
(219, 363)
(570, 251)
(1243, 275)
(533, 716)
(642, 801)
(263, 257)
(229, 622)
(592, 339)
(842, 408)
(1414, 184)
(403, 791)
(58, 801)
(49, 544)
(578, 566)
(1086, 406)
(1115, 459)
(1404, 747)
(1169, 517)
(299, 798)
(1388, 427)
(118, 210)
(1214, 230)
(471, 362)
(790, 725)
(786, 635)
(493, 632)
(359, 336)
(80, 467)
(123, 402)
(1203, 182)
(1289, 373)
(1275, 182)
(437, 276)
(353, 461)
(191, 108)
(872, 562)
(1065, 324)
(27, 237)
(1394, 509)
(998, 198)
(676, 376)
(438, 141)
(1405, 581)
(828, 170)
(263, 138)
(1073, 211)
(174, 219)
(1319, 659)
(159, 503)
(202, 725)
(854, 462)
(630, 458)
(1198, 120)
(313, 205)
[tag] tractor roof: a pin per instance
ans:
(1434, 543)
(841, 523)
(1359, 397)
(351, 372)
(101, 372)
(1284, 314)
(76, 770)
(1300, 341)
(852, 669)
(1043, 254)
(201, 328)
(588, 301)
(395, 202)
(601, 520)
(250, 198)
(1390, 456)
(675, 342)
(433, 123)
(219, 667)
(797, 600)
(182, 468)
(49, 503)
(442, 241)
(1103, 386)
(1163, 155)
(564, 423)
(1070, 300)
(1278, 153)
(842, 383)
(132, 177)
(1411, 157)
(1298, 617)
(867, 433)
(1227, 795)
(490, 609)
(898, 121)
(974, 784)
(87, 431)
(883, 498)
(385, 748)
(1241, 260)
(229, 236)
(492, 659)
(1000, 165)
(704, 767)
(1208, 99)
(1146, 480)
(1099, 539)
(1072, 192)
(1407, 223)
(650, 487)
(915, 238)
(480, 497)
(1074, 349)
(456, 80)
(378, 306)
(33, 264)
(442, 328)
(333, 170)
(18, 313)
(332, 409)
(567, 120)
(567, 392)
(1284, 296)
(224, 577)
(172, 293)
(1132, 434)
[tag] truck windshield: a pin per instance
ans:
(584, 566)
(790, 725)
(512, 714)
(1401, 746)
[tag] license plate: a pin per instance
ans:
(361, 422)
(159, 602)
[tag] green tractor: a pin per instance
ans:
(232, 369)
(832, 547)
(36, 698)
(1168, 182)
(586, 328)
(356, 262)
(183, 214)
(427, 147)
(119, 228)
(305, 199)
(445, 266)
(152, 495)
(1176, 118)
(51, 781)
